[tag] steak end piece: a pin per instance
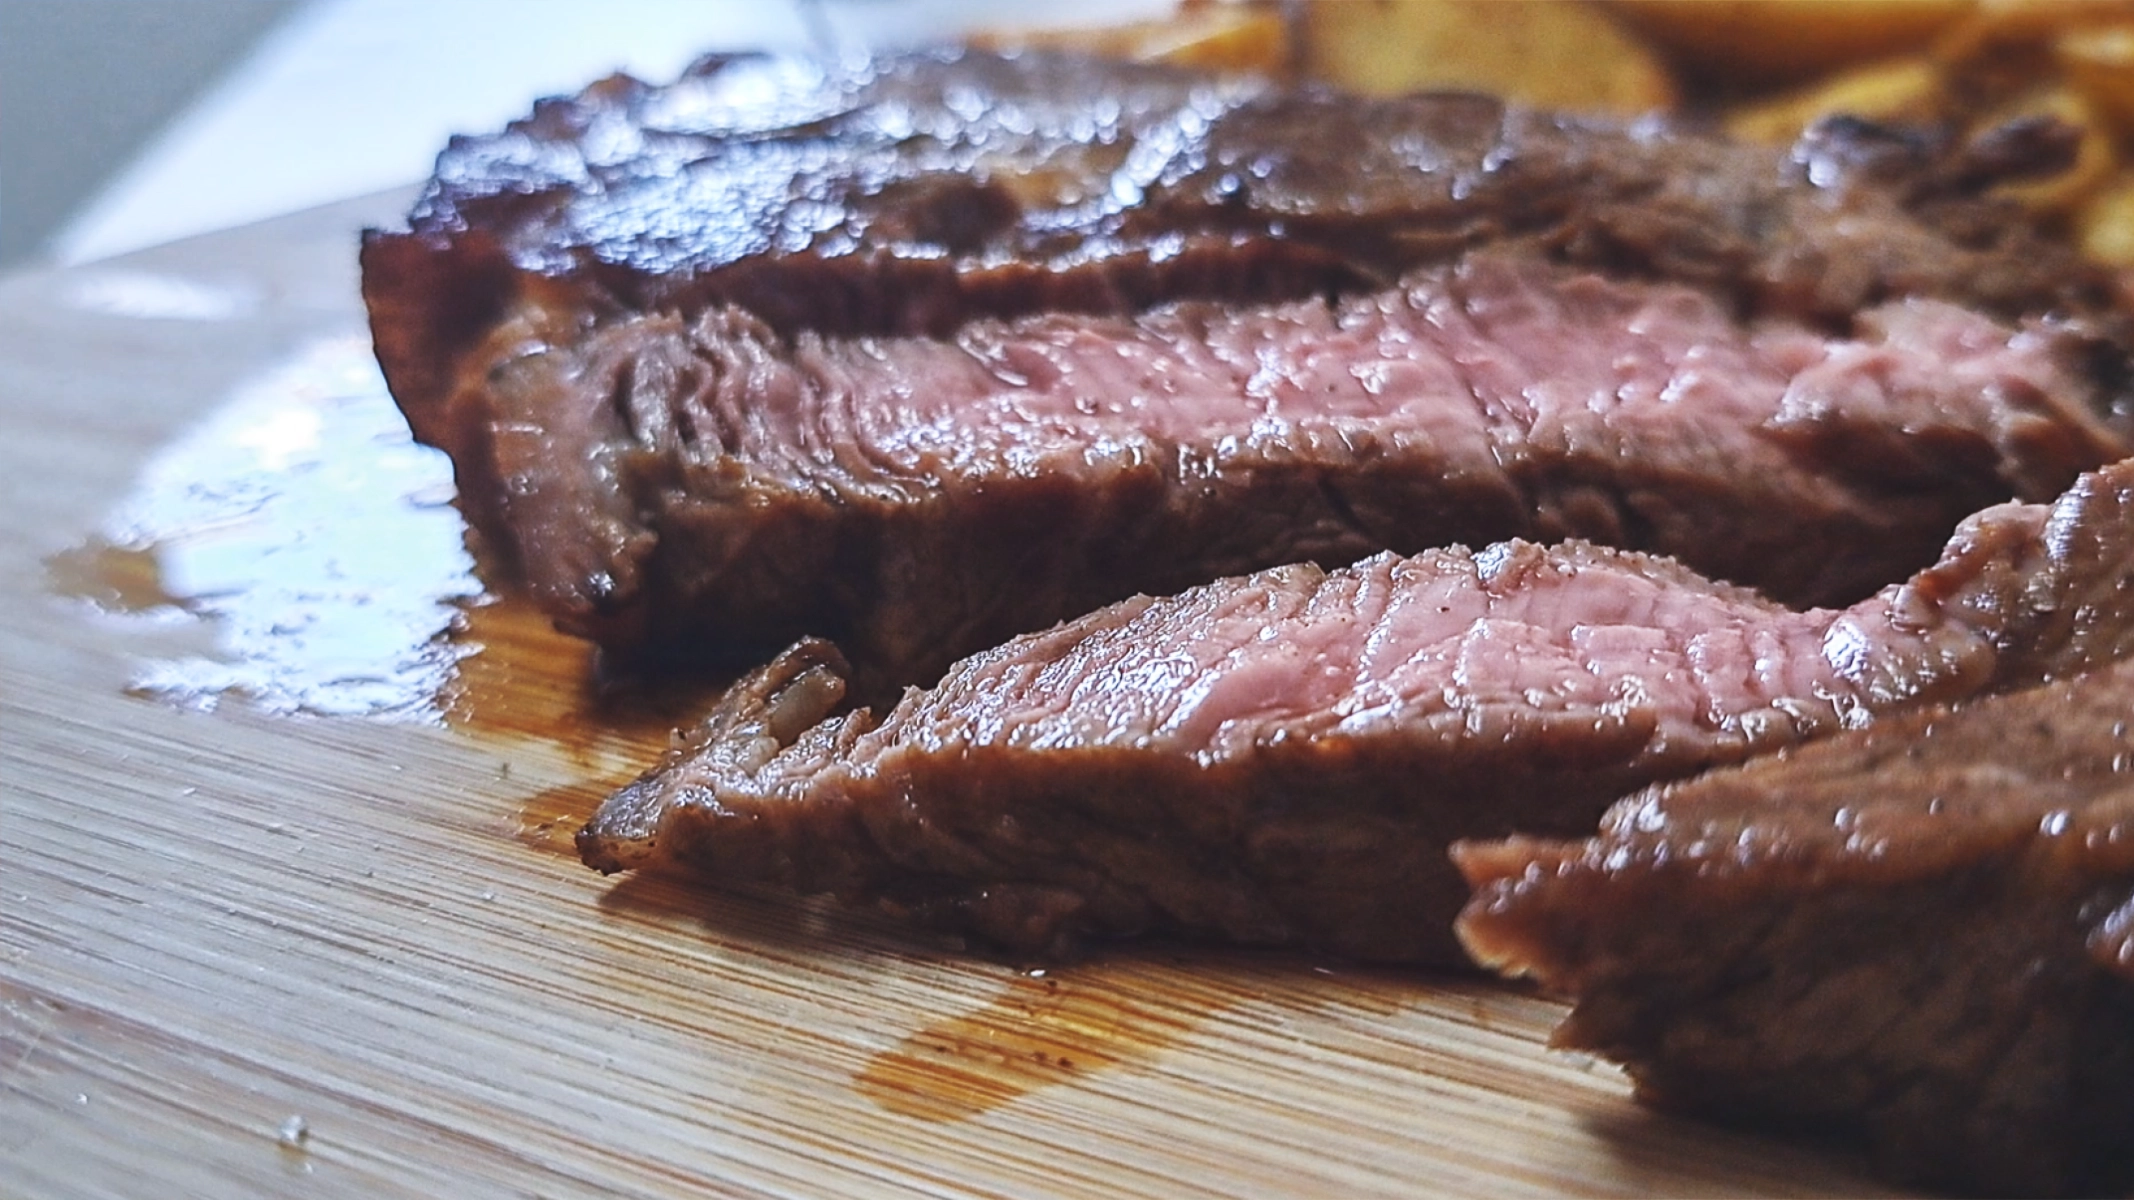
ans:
(924, 351)
(1283, 758)
(1920, 936)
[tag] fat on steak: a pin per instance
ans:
(921, 352)
(1284, 758)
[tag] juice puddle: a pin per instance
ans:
(296, 549)
(1046, 1028)
(549, 821)
(1049, 1028)
(519, 678)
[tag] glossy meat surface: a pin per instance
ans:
(1283, 758)
(909, 193)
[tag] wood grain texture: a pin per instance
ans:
(211, 923)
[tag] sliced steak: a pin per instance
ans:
(709, 483)
(1920, 935)
(1283, 758)
(909, 194)
(925, 351)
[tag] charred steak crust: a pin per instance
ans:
(908, 194)
(674, 339)
(1921, 935)
(1283, 758)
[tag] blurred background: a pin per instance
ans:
(83, 85)
(125, 123)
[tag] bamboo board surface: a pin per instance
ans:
(253, 952)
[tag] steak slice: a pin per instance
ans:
(710, 483)
(1283, 758)
(1920, 935)
(887, 350)
(910, 193)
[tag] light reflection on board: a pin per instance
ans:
(297, 549)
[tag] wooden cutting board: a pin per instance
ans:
(252, 947)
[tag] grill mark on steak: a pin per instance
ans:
(776, 203)
(918, 498)
(1917, 936)
(1283, 758)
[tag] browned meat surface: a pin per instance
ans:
(909, 194)
(1921, 935)
(928, 351)
(1283, 758)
